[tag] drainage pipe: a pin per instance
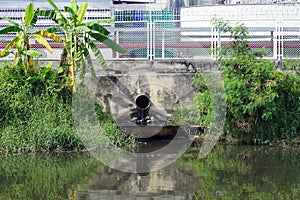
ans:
(142, 101)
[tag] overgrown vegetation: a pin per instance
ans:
(79, 37)
(23, 54)
(36, 102)
(263, 104)
(36, 114)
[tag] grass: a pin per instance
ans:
(36, 114)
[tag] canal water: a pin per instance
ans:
(228, 172)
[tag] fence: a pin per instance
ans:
(178, 39)
(175, 39)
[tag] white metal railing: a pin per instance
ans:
(198, 39)
(195, 39)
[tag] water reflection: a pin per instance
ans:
(247, 172)
(48, 176)
(229, 172)
(172, 182)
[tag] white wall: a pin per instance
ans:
(242, 12)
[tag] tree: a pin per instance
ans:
(79, 37)
(23, 53)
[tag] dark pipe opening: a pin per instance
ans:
(142, 102)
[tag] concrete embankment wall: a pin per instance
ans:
(167, 83)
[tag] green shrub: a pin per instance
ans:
(262, 102)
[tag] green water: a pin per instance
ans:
(229, 172)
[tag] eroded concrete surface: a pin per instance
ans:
(167, 83)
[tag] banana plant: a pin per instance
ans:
(79, 37)
(23, 54)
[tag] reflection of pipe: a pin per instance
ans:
(142, 103)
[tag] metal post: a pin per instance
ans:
(148, 40)
(117, 41)
(219, 39)
(213, 42)
(280, 41)
(163, 44)
(275, 41)
(150, 32)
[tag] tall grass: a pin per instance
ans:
(35, 116)
(36, 113)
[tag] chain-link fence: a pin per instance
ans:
(175, 39)
(290, 38)
(157, 35)
(134, 37)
